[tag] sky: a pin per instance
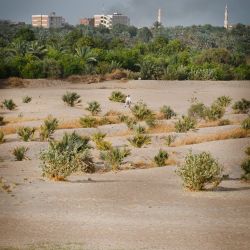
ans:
(141, 12)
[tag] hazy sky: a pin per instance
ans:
(141, 12)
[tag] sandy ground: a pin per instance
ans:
(130, 209)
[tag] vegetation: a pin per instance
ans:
(114, 157)
(26, 133)
(20, 153)
(246, 123)
(197, 110)
(185, 124)
(242, 106)
(101, 144)
(88, 122)
(27, 99)
(169, 139)
(2, 120)
(94, 107)
(139, 140)
(71, 98)
(160, 158)
(9, 104)
(224, 122)
(245, 166)
(139, 129)
(167, 112)
(1, 137)
(215, 112)
(224, 101)
(129, 121)
(67, 156)
(141, 111)
(48, 128)
(199, 170)
(117, 96)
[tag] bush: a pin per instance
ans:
(88, 122)
(141, 112)
(224, 101)
(1, 137)
(185, 124)
(98, 138)
(129, 121)
(20, 153)
(242, 106)
(215, 112)
(247, 151)
(48, 128)
(197, 111)
(199, 170)
(245, 166)
(139, 140)
(160, 158)
(27, 99)
(115, 156)
(167, 112)
(2, 120)
(139, 129)
(9, 104)
(67, 156)
(169, 139)
(26, 133)
(94, 107)
(246, 123)
(71, 98)
(224, 122)
(117, 96)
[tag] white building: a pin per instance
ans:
(110, 20)
(48, 21)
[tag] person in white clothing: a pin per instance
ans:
(128, 101)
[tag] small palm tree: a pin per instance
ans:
(139, 140)
(9, 104)
(26, 133)
(167, 112)
(20, 153)
(160, 158)
(37, 49)
(71, 98)
(48, 128)
(117, 96)
(88, 122)
(94, 107)
(27, 99)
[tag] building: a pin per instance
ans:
(87, 21)
(110, 20)
(48, 21)
(226, 18)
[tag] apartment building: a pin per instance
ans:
(48, 21)
(87, 21)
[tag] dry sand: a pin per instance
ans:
(131, 209)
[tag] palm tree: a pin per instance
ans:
(36, 49)
(86, 54)
(18, 47)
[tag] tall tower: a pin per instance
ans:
(159, 16)
(226, 18)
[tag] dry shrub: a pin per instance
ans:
(15, 82)
(69, 124)
(161, 128)
(196, 139)
(7, 130)
(113, 113)
(20, 119)
(116, 74)
(85, 79)
(142, 165)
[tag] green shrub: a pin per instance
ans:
(48, 128)
(98, 136)
(224, 122)
(26, 133)
(224, 101)
(247, 151)
(67, 156)
(94, 107)
(167, 112)
(71, 98)
(117, 96)
(242, 106)
(199, 170)
(141, 111)
(185, 124)
(115, 156)
(197, 111)
(20, 153)
(139, 140)
(160, 158)
(246, 123)
(139, 129)
(27, 99)
(2, 120)
(245, 166)
(151, 120)
(9, 104)
(215, 112)
(102, 145)
(169, 139)
(1, 137)
(130, 122)
(88, 122)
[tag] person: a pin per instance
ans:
(128, 101)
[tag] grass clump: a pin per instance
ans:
(94, 107)
(67, 156)
(26, 133)
(160, 158)
(139, 129)
(185, 124)
(141, 111)
(199, 170)
(224, 122)
(197, 111)
(167, 112)
(27, 99)
(48, 128)
(246, 124)
(245, 166)
(223, 101)
(215, 112)
(115, 156)
(88, 122)
(241, 107)
(139, 140)
(20, 153)
(169, 139)
(71, 98)
(2, 140)
(117, 96)
(101, 144)
(9, 104)
(129, 121)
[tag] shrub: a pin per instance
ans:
(27, 99)
(224, 122)
(9, 104)
(48, 128)
(139, 129)
(169, 139)
(130, 122)
(246, 123)
(67, 156)
(94, 107)
(115, 156)
(242, 106)
(160, 158)
(151, 120)
(224, 101)
(247, 151)
(1, 137)
(197, 111)
(167, 112)
(139, 140)
(98, 138)
(245, 166)
(117, 96)
(71, 98)
(185, 124)
(2, 120)
(26, 133)
(215, 112)
(88, 122)
(141, 111)
(199, 170)
(20, 153)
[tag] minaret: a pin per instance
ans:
(159, 16)
(226, 18)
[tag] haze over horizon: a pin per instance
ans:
(141, 12)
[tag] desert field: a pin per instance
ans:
(140, 206)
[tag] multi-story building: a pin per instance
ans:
(48, 21)
(87, 21)
(110, 20)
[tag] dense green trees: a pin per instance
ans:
(175, 53)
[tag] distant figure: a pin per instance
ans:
(128, 101)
